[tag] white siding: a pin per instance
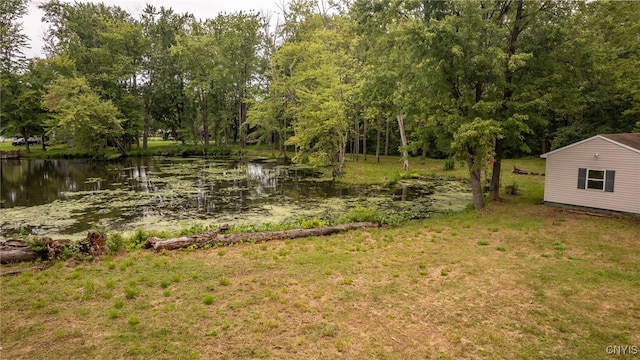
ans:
(561, 182)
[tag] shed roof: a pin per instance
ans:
(632, 140)
(629, 141)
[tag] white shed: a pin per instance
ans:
(601, 172)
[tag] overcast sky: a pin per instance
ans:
(34, 28)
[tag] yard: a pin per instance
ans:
(518, 280)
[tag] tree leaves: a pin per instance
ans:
(80, 114)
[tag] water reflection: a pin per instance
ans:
(81, 193)
(261, 177)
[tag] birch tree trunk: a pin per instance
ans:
(403, 138)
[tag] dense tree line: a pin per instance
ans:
(479, 80)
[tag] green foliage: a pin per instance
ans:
(481, 80)
(131, 291)
(312, 223)
(450, 164)
(208, 299)
(513, 188)
(118, 304)
(114, 243)
(80, 115)
(37, 245)
(133, 320)
(359, 214)
(13, 41)
(472, 141)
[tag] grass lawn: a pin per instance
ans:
(518, 280)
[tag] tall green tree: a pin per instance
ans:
(80, 115)
(13, 40)
(199, 57)
(238, 37)
(162, 87)
(319, 69)
(106, 45)
(463, 61)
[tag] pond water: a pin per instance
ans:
(69, 197)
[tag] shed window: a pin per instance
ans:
(596, 179)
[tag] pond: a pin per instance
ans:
(69, 197)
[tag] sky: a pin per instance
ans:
(34, 28)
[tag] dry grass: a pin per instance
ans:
(546, 283)
(518, 280)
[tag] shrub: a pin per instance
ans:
(137, 240)
(392, 179)
(37, 245)
(312, 223)
(359, 213)
(450, 164)
(114, 243)
(512, 189)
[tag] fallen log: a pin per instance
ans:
(13, 251)
(519, 171)
(214, 237)
(185, 241)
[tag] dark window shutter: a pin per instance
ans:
(582, 178)
(608, 184)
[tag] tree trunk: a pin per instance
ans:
(180, 113)
(214, 237)
(364, 140)
(494, 187)
(205, 120)
(476, 185)
(147, 128)
(378, 135)
(386, 140)
(356, 140)
(25, 136)
(343, 156)
(242, 123)
(403, 138)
